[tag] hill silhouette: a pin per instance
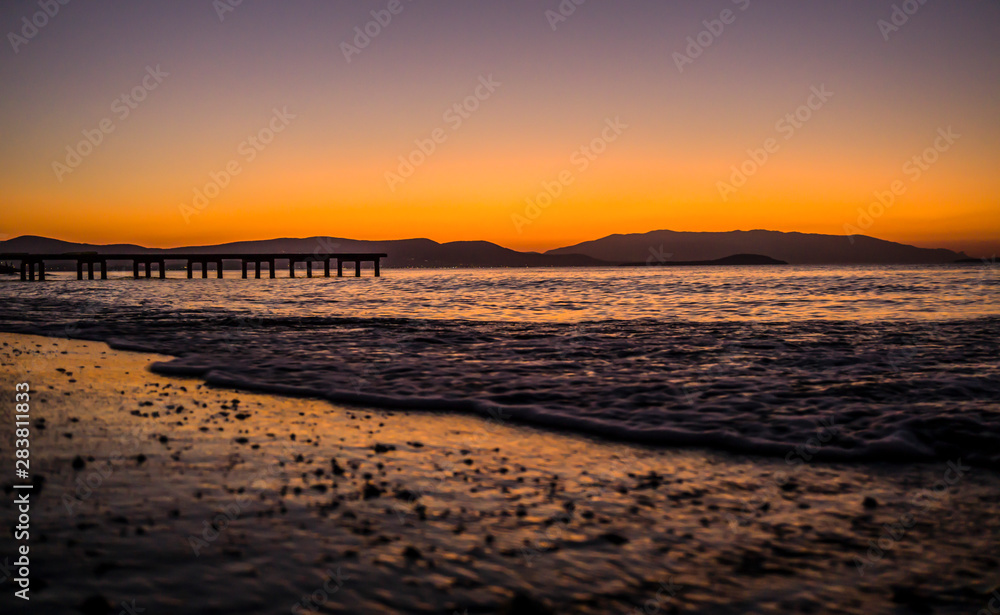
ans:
(794, 248)
(402, 253)
(657, 247)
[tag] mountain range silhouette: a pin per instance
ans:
(653, 248)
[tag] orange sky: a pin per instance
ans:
(325, 172)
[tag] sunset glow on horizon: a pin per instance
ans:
(500, 121)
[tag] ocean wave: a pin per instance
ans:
(878, 391)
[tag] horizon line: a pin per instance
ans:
(225, 243)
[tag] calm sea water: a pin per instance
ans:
(562, 295)
(902, 360)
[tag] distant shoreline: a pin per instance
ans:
(652, 248)
(121, 268)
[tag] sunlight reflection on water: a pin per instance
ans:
(569, 295)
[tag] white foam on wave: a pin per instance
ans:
(821, 435)
(895, 390)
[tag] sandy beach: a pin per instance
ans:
(293, 505)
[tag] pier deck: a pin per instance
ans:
(30, 262)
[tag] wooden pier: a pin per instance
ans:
(144, 263)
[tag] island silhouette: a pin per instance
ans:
(664, 247)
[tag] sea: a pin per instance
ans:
(899, 363)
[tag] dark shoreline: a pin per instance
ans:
(253, 503)
(664, 438)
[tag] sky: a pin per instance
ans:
(530, 123)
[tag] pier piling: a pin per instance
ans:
(28, 262)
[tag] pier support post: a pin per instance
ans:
(33, 266)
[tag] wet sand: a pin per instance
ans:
(190, 499)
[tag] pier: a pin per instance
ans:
(32, 266)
